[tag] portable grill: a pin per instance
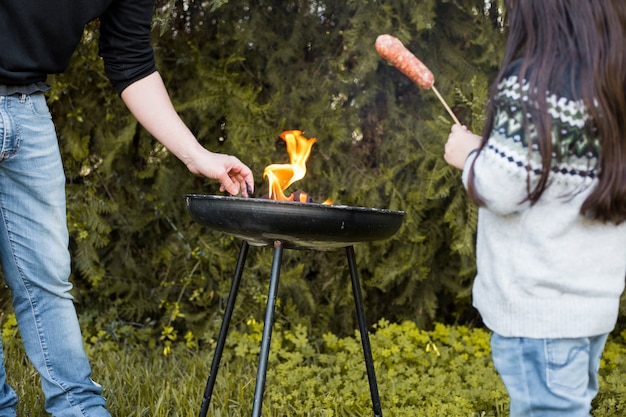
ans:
(293, 225)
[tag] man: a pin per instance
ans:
(39, 38)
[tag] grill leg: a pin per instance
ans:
(221, 340)
(267, 330)
(365, 341)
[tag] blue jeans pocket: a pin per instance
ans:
(38, 105)
(567, 365)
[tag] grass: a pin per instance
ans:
(446, 372)
(136, 383)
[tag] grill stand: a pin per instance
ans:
(267, 330)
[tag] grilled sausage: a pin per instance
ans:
(390, 48)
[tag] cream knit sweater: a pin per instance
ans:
(544, 271)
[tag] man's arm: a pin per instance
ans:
(149, 102)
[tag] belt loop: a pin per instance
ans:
(22, 98)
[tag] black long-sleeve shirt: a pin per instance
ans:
(38, 38)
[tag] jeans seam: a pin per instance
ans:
(525, 372)
(5, 116)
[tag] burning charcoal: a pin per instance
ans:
(298, 196)
(302, 197)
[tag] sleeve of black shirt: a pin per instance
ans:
(125, 42)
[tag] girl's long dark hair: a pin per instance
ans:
(588, 38)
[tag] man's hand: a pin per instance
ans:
(233, 175)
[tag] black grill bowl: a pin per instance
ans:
(261, 222)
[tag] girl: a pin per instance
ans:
(549, 176)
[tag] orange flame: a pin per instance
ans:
(281, 176)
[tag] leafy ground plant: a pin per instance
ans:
(443, 372)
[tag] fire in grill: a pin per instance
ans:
(281, 176)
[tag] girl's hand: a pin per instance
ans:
(460, 143)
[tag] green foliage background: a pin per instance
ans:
(240, 73)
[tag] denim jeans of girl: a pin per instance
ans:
(549, 377)
(36, 262)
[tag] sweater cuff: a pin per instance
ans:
(468, 163)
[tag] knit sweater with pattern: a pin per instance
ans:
(39, 37)
(543, 271)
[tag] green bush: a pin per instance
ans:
(443, 372)
(611, 400)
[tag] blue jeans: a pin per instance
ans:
(36, 262)
(549, 377)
